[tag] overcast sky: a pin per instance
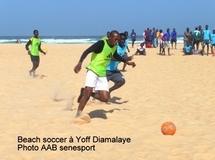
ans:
(96, 17)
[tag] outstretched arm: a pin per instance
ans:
(121, 59)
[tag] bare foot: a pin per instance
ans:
(82, 119)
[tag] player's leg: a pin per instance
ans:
(35, 61)
(118, 80)
(101, 90)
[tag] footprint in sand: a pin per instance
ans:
(42, 76)
(82, 120)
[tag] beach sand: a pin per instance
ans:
(172, 88)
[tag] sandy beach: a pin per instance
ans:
(37, 114)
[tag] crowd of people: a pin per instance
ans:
(203, 37)
(153, 38)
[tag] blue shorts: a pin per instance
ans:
(114, 76)
(206, 42)
(212, 45)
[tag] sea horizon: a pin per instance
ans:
(67, 39)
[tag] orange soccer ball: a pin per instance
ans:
(168, 128)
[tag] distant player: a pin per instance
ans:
(34, 50)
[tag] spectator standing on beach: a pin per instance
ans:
(102, 52)
(147, 35)
(174, 38)
(196, 38)
(133, 38)
(191, 39)
(35, 43)
(144, 36)
(166, 41)
(150, 37)
(154, 38)
(213, 43)
(126, 43)
(206, 39)
(201, 35)
(160, 41)
(157, 35)
(187, 37)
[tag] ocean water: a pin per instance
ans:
(66, 39)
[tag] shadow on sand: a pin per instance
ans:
(115, 99)
(101, 113)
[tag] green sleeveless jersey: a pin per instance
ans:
(35, 46)
(100, 61)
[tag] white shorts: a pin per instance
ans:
(96, 82)
(166, 44)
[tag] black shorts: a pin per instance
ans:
(114, 76)
(35, 58)
(196, 42)
(173, 40)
